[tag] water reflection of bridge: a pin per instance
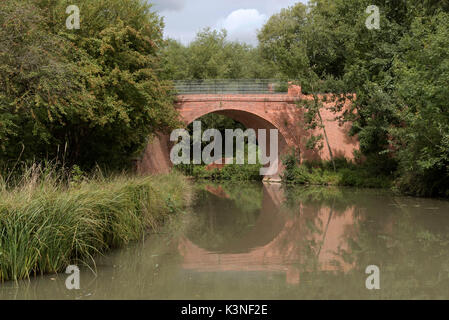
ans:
(282, 241)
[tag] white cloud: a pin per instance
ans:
(184, 18)
(242, 25)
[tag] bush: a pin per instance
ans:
(322, 173)
(244, 172)
(359, 177)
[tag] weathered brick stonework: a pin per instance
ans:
(267, 111)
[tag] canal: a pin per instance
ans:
(262, 241)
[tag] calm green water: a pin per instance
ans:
(255, 241)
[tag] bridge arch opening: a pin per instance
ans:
(249, 120)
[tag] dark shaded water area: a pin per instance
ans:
(262, 241)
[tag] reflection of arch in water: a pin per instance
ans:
(218, 191)
(285, 251)
(270, 221)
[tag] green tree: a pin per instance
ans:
(328, 41)
(38, 81)
(175, 60)
(93, 92)
(422, 139)
(212, 56)
(281, 41)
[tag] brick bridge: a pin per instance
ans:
(260, 110)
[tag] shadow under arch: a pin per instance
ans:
(251, 120)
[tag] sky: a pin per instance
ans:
(241, 18)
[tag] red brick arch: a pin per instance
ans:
(251, 119)
(258, 111)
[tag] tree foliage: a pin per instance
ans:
(212, 56)
(398, 73)
(422, 138)
(92, 95)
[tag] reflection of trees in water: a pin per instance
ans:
(327, 239)
(400, 235)
(330, 236)
(409, 242)
(218, 229)
(298, 237)
(142, 271)
(246, 196)
(338, 198)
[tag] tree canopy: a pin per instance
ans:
(398, 72)
(92, 95)
(212, 56)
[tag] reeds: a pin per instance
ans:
(49, 220)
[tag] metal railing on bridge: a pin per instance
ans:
(241, 86)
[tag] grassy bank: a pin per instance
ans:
(48, 222)
(317, 173)
(345, 174)
(348, 177)
(246, 172)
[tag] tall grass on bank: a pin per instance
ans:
(322, 173)
(47, 224)
(233, 172)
